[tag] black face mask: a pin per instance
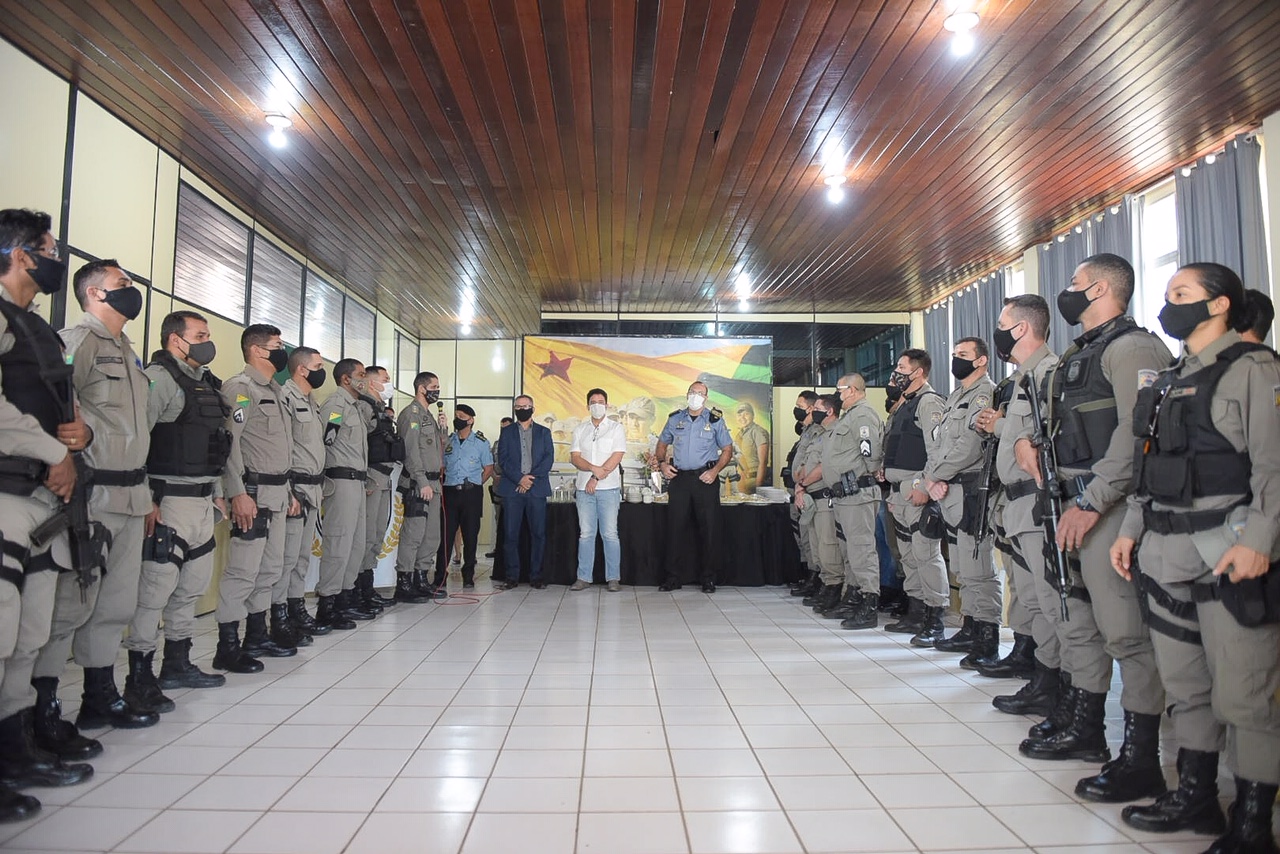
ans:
(461, 424)
(799, 413)
(799, 428)
(201, 352)
(127, 301)
(1181, 319)
(315, 379)
(962, 369)
(279, 359)
(1072, 304)
(819, 416)
(899, 379)
(433, 396)
(1004, 341)
(523, 415)
(48, 274)
(893, 393)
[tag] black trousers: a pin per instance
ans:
(693, 528)
(463, 507)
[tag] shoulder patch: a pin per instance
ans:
(1147, 378)
(243, 402)
(982, 401)
(864, 432)
(335, 417)
(413, 425)
(1276, 391)
(936, 416)
(238, 416)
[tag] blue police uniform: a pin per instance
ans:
(693, 508)
(465, 459)
(464, 463)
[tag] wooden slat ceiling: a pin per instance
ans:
(628, 155)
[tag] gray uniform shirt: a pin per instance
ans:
(166, 402)
(346, 437)
(261, 436)
(960, 446)
(423, 446)
(813, 456)
(855, 444)
(113, 401)
(807, 436)
(1016, 425)
(308, 440)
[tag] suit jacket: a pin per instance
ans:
(509, 461)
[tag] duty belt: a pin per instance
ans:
(820, 493)
(167, 488)
(344, 473)
(1169, 522)
(1071, 487)
(699, 469)
(112, 477)
(466, 484)
(967, 478)
(433, 476)
(255, 478)
(385, 468)
(300, 478)
(1021, 489)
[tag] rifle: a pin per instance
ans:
(88, 540)
(984, 493)
(1050, 492)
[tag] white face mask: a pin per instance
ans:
(597, 410)
(387, 393)
(696, 400)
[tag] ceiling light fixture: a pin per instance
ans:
(835, 195)
(466, 329)
(278, 122)
(961, 22)
(962, 44)
(742, 286)
(834, 180)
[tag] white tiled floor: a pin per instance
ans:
(548, 721)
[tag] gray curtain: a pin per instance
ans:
(1219, 209)
(937, 340)
(976, 310)
(1113, 232)
(1057, 264)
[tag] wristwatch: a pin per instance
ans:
(1083, 504)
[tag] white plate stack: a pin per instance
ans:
(772, 494)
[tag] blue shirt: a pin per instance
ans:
(694, 441)
(465, 459)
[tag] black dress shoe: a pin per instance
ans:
(538, 585)
(708, 587)
(509, 585)
(667, 587)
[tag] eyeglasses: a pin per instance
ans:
(524, 409)
(843, 387)
(50, 252)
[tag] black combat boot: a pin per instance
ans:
(16, 807)
(1037, 697)
(847, 606)
(283, 632)
(1192, 806)
(177, 671)
(366, 597)
(813, 588)
(369, 593)
(352, 608)
(798, 588)
(1085, 738)
(868, 614)
(258, 643)
(1135, 773)
(1250, 817)
(302, 619)
(1020, 663)
(894, 601)
(931, 627)
(1060, 718)
(984, 648)
(230, 656)
(426, 588)
(828, 599)
(329, 616)
(814, 594)
(102, 706)
(912, 622)
(140, 687)
(54, 734)
(961, 641)
(23, 763)
(406, 591)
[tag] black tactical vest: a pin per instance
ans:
(1180, 454)
(904, 447)
(37, 378)
(385, 445)
(196, 443)
(1084, 401)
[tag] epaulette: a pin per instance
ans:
(674, 413)
(480, 435)
(715, 415)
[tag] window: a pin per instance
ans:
(211, 257)
(322, 324)
(406, 362)
(357, 333)
(1158, 247)
(276, 296)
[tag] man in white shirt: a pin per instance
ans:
(596, 452)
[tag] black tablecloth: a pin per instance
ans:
(756, 546)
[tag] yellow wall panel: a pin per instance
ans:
(487, 369)
(441, 359)
(113, 189)
(33, 137)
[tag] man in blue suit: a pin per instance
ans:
(525, 456)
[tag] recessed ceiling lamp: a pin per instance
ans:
(278, 122)
(962, 24)
(835, 195)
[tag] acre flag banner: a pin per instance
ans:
(646, 379)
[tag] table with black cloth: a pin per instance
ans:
(756, 546)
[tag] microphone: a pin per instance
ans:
(439, 409)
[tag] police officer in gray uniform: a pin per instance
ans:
(852, 455)
(386, 448)
(189, 447)
(306, 477)
(89, 623)
(952, 478)
(1019, 337)
(1090, 399)
(911, 441)
(1208, 483)
(39, 432)
(256, 483)
(346, 441)
(810, 583)
(813, 497)
(421, 491)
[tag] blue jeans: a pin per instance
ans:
(599, 512)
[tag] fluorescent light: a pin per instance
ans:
(835, 195)
(961, 22)
(742, 285)
(962, 44)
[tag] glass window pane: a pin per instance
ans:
(211, 256)
(322, 327)
(357, 333)
(276, 297)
